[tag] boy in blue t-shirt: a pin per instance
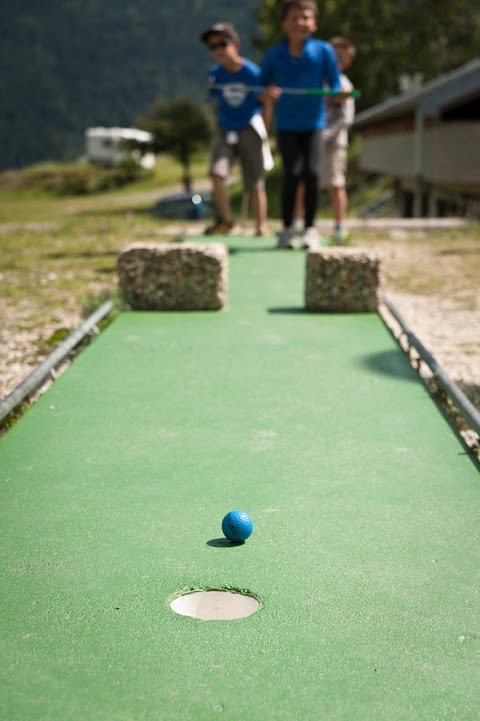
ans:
(299, 62)
(241, 130)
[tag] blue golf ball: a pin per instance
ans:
(237, 526)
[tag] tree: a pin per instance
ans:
(441, 35)
(180, 128)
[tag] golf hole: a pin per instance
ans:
(215, 605)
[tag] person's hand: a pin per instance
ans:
(341, 97)
(270, 95)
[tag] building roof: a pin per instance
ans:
(429, 99)
(120, 133)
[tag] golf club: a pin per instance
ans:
(241, 87)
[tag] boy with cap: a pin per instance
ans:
(299, 62)
(241, 130)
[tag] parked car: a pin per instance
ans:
(184, 206)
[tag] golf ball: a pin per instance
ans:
(237, 526)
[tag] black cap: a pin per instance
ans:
(225, 29)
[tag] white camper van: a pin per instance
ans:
(104, 146)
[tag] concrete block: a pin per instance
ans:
(174, 276)
(342, 280)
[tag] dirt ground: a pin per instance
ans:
(434, 287)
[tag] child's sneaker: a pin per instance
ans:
(220, 227)
(311, 238)
(340, 236)
(286, 239)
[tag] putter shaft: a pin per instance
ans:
(289, 91)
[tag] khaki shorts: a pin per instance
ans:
(333, 167)
(248, 150)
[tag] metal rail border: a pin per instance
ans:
(38, 375)
(464, 405)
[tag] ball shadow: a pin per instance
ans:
(223, 543)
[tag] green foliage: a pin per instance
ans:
(65, 179)
(181, 129)
(439, 35)
(56, 178)
(13, 417)
(48, 345)
(269, 31)
(127, 171)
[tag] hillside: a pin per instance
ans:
(67, 65)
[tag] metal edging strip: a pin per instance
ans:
(464, 405)
(48, 364)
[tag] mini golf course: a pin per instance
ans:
(364, 559)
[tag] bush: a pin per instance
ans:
(74, 181)
(68, 179)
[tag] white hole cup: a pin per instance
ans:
(215, 605)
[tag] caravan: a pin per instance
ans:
(105, 146)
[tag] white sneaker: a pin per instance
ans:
(340, 236)
(286, 238)
(311, 238)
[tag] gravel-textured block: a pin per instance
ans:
(174, 276)
(342, 280)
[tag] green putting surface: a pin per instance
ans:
(365, 552)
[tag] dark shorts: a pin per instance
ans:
(248, 150)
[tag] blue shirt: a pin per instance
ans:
(237, 105)
(316, 68)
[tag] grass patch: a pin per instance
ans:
(46, 179)
(49, 344)
(95, 300)
(71, 179)
(41, 193)
(418, 286)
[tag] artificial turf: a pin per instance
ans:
(365, 550)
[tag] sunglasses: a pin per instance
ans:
(221, 44)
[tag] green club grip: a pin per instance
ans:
(334, 93)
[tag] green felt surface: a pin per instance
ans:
(365, 552)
